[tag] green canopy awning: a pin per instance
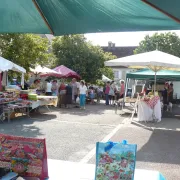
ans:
(148, 74)
(61, 17)
(168, 7)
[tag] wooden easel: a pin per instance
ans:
(135, 106)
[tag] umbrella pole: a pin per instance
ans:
(155, 79)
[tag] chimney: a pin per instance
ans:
(109, 45)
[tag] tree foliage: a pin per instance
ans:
(76, 53)
(166, 42)
(26, 50)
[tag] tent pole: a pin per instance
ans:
(125, 92)
(127, 86)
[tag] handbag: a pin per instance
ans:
(115, 160)
(20, 158)
(77, 100)
(62, 92)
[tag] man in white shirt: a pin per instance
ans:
(48, 88)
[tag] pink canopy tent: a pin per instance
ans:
(66, 72)
(63, 72)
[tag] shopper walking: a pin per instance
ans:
(106, 92)
(82, 93)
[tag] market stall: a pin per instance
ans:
(11, 105)
(162, 76)
(62, 72)
(9, 99)
(39, 70)
(147, 107)
(14, 101)
(156, 61)
(147, 74)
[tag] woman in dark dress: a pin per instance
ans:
(68, 96)
(170, 93)
(165, 94)
(62, 94)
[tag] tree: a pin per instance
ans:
(81, 56)
(166, 42)
(108, 72)
(26, 50)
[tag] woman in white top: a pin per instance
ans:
(48, 88)
(82, 92)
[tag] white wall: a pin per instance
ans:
(121, 73)
(177, 88)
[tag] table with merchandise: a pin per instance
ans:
(14, 103)
(27, 157)
(44, 101)
(11, 104)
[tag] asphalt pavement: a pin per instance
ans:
(71, 135)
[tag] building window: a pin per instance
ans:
(116, 74)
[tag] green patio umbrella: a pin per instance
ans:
(144, 74)
(167, 7)
(60, 17)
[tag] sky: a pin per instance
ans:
(122, 38)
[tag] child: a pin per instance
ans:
(92, 95)
(54, 88)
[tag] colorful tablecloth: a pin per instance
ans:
(146, 113)
(152, 102)
(44, 101)
(63, 170)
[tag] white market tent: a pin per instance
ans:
(42, 70)
(154, 60)
(6, 65)
(105, 79)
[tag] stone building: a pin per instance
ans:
(119, 51)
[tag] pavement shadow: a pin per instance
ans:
(18, 129)
(165, 124)
(24, 126)
(90, 109)
(35, 116)
(162, 147)
(174, 114)
(126, 111)
(42, 117)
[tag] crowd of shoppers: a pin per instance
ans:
(111, 92)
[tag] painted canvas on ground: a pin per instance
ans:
(115, 161)
(25, 156)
